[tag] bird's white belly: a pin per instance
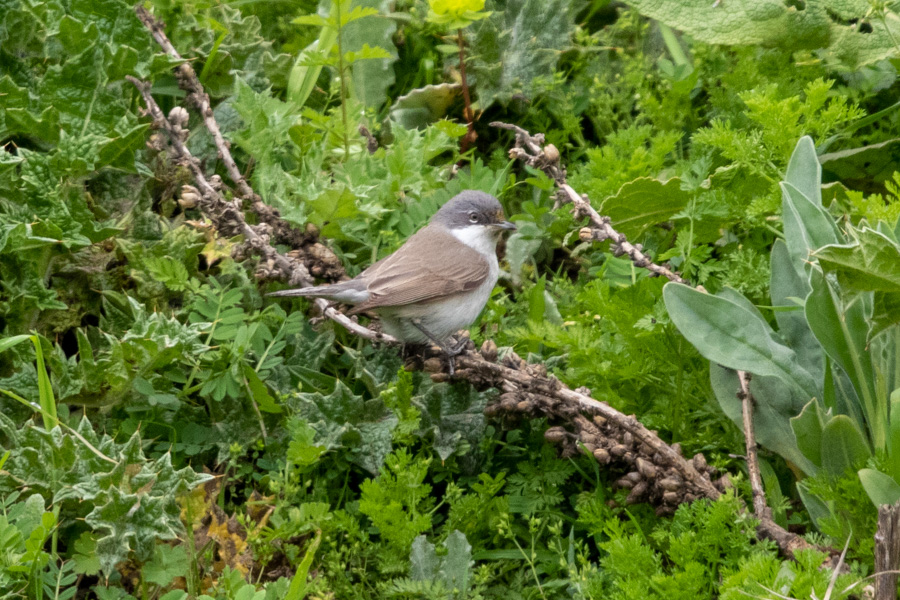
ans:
(441, 318)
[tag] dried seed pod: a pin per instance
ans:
(433, 365)
(551, 153)
(700, 462)
(599, 421)
(618, 450)
(190, 196)
(677, 448)
(690, 497)
(634, 477)
(637, 493)
(585, 234)
(671, 497)
(555, 435)
(628, 439)
(646, 450)
(489, 351)
(670, 484)
(646, 468)
(628, 457)
(178, 116)
(509, 401)
(625, 483)
(439, 377)
(492, 410)
(525, 406)
(601, 456)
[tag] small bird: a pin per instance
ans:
(437, 282)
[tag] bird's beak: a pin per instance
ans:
(504, 226)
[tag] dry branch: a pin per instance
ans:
(887, 552)
(656, 471)
(760, 508)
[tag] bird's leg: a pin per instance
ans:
(460, 346)
(449, 352)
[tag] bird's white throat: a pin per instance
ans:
(477, 237)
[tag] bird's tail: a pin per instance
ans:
(353, 292)
(307, 291)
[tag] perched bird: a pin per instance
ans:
(437, 282)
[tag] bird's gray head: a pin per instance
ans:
(472, 208)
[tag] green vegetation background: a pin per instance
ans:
(337, 473)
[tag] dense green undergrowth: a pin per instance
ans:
(195, 438)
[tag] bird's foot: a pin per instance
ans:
(457, 348)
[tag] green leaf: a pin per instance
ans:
(303, 76)
(881, 488)
(765, 22)
(807, 227)
(842, 331)
(261, 395)
(168, 562)
(870, 263)
(452, 418)
(423, 561)
(368, 39)
(517, 46)
(455, 570)
(423, 106)
(788, 286)
(818, 510)
(807, 428)
(314, 20)
(730, 334)
(824, 24)
(344, 420)
(643, 203)
(843, 446)
(298, 587)
(885, 313)
(7, 343)
(85, 555)
(804, 171)
(893, 449)
(331, 208)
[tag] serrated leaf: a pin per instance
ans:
(455, 566)
(344, 420)
(517, 45)
(643, 203)
(423, 561)
(870, 263)
(330, 209)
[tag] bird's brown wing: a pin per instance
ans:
(431, 265)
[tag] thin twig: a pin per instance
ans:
(198, 97)
(760, 508)
(529, 148)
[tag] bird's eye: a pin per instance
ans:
(473, 217)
